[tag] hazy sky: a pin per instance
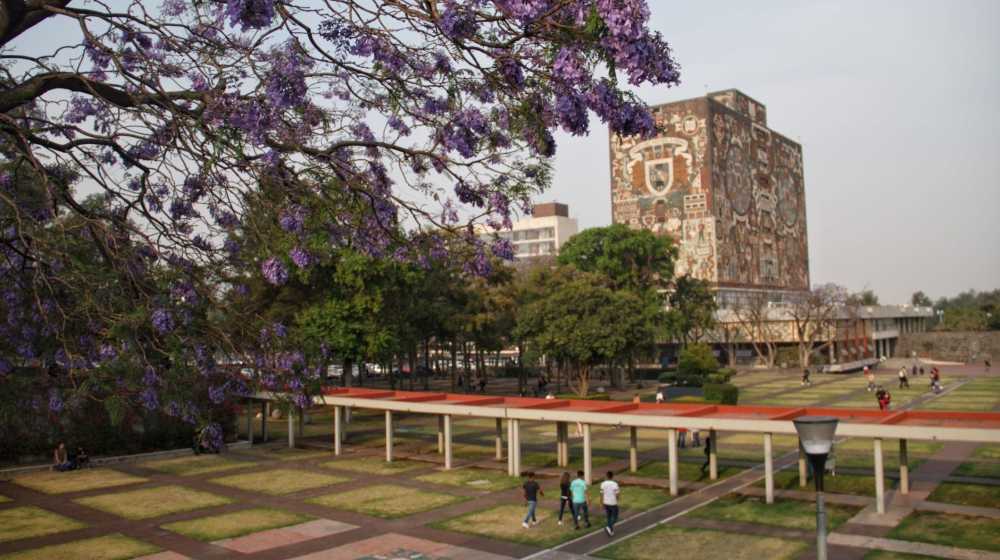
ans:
(897, 108)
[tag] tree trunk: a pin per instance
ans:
(345, 375)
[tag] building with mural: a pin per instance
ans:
(727, 188)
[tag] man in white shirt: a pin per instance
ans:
(609, 498)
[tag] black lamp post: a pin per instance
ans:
(816, 435)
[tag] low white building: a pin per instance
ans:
(542, 233)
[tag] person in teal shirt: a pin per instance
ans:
(580, 500)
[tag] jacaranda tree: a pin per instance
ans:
(397, 112)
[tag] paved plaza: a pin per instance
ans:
(271, 502)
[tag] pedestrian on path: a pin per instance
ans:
(659, 396)
(531, 492)
(581, 501)
(564, 497)
(805, 377)
(708, 454)
(695, 438)
(903, 381)
(871, 379)
(609, 499)
(682, 438)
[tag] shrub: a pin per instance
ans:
(593, 397)
(722, 393)
(682, 380)
(697, 359)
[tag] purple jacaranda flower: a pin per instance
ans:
(274, 271)
(300, 257)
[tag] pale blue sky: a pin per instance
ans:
(897, 107)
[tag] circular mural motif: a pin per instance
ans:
(737, 180)
(788, 198)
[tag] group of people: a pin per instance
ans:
(574, 497)
(65, 460)
(904, 374)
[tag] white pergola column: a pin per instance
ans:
(388, 436)
(879, 477)
(499, 439)
(447, 441)
(713, 456)
(768, 469)
(517, 447)
(672, 459)
(559, 444)
(441, 435)
(803, 471)
(633, 449)
(904, 468)
(291, 427)
(338, 436)
(588, 470)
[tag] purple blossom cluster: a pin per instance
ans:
(300, 257)
(162, 320)
(250, 14)
(274, 271)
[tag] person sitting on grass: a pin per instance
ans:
(82, 459)
(531, 492)
(60, 458)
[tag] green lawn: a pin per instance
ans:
(54, 482)
(967, 494)
(685, 471)
(375, 465)
(231, 525)
(886, 555)
(195, 465)
(30, 521)
(986, 469)
(949, 530)
(504, 523)
(667, 541)
(477, 479)
(388, 501)
(279, 481)
(841, 484)
(153, 502)
(107, 547)
(782, 513)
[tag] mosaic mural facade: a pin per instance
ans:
(727, 188)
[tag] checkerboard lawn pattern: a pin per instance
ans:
(685, 471)
(477, 479)
(54, 482)
(855, 485)
(978, 395)
(782, 513)
(231, 525)
(949, 530)
(967, 494)
(682, 542)
(195, 465)
(375, 465)
(153, 502)
(386, 500)
(279, 481)
(107, 547)
(30, 521)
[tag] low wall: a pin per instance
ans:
(951, 346)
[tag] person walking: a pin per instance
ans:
(805, 377)
(681, 438)
(580, 500)
(564, 497)
(695, 438)
(531, 492)
(659, 396)
(903, 381)
(708, 454)
(636, 399)
(884, 401)
(610, 492)
(871, 379)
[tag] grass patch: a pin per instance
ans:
(685, 471)
(782, 513)
(30, 521)
(504, 523)
(54, 482)
(966, 494)
(981, 533)
(637, 498)
(887, 555)
(681, 542)
(375, 465)
(106, 547)
(195, 465)
(856, 485)
(231, 525)
(536, 460)
(287, 454)
(279, 481)
(386, 500)
(989, 451)
(153, 502)
(4, 499)
(478, 479)
(985, 470)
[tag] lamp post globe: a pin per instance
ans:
(816, 436)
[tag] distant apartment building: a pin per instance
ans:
(541, 234)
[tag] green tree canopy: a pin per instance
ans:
(628, 258)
